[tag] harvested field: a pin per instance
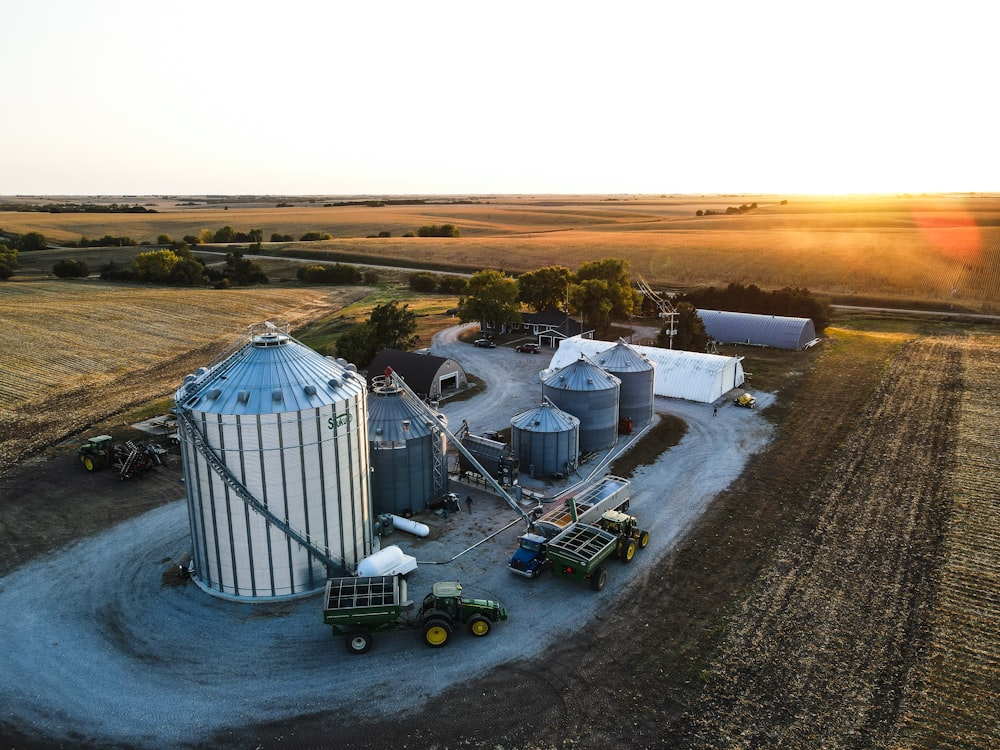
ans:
(83, 351)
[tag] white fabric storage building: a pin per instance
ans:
(760, 330)
(687, 375)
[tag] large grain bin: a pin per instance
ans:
(407, 452)
(276, 470)
(546, 440)
(591, 395)
(635, 399)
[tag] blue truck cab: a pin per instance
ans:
(529, 559)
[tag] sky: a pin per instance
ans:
(336, 97)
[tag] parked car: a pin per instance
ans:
(528, 348)
(485, 343)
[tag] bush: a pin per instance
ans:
(70, 268)
(433, 230)
(315, 236)
(335, 274)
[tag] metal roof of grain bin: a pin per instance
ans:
(591, 395)
(635, 371)
(546, 440)
(407, 452)
(758, 330)
(276, 470)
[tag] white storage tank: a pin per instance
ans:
(591, 395)
(290, 426)
(546, 440)
(635, 398)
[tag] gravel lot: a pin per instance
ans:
(98, 650)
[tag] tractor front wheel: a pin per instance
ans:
(643, 539)
(437, 632)
(480, 626)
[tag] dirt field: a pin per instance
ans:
(843, 593)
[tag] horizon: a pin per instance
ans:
(232, 98)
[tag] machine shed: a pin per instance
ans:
(758, 330)
(426, 375)
(687, 375)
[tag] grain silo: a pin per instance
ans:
(546, 440)
(635, 399)
(591, 395)
(275, 454)
(407, 452)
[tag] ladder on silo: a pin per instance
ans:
(333, 567)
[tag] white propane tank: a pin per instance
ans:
(412, 527)
(388, 561)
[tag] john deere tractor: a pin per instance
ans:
(96, 453)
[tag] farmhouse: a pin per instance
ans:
(549, 327)
(426, 375)
(759, 330)
(686, 375)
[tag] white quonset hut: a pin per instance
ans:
(591, 395)
(758, 330)
(686, 375)
(546, 440)
(274, 445)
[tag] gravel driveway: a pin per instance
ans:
(97, 649)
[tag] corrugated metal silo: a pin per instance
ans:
(546, 440)
(635, 400)
(591, 395)
(407, 452)
(274, 444)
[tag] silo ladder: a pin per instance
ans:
(333, 566)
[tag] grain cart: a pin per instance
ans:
(579, 552)
(359, 606)
(96, 453)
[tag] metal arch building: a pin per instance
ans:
(758, 330)
(274, 446)
(687, 375)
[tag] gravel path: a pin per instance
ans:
(97, 649)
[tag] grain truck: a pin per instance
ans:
(607, 493)
(359, 606)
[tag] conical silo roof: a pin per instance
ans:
(582, 375)
(393, 416)
(622, 358)
(271, 373)
(544, 418)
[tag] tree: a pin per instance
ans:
(691, 335)
(392, 327)
(423, 281)
(490, 296)
(355, 345)
(593, 299)
(155, 265)
(625, 300)
(70, 268)
(8, 261)
(32, 241)
(546, 288)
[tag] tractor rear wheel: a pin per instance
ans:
(88, 463)
(599, 578)
(437, 632)
(358, 641)
(480, 626)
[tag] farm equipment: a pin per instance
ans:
(608, 493)
(745, 400)
(129, 458)
(359, 606)
(580, 548)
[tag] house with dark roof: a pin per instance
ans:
(426, 375)
(549, 327)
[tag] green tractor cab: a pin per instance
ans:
(96, 453)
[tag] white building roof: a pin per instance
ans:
(762, 330)
(677, 374)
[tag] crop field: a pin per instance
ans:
(944, 249)
(80, 351)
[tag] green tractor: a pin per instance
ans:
(630, 536)
(96, 453)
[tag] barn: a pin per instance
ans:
(686, 375)
(759, 330)
(426, 375)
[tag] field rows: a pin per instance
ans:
(78, 351)
(821, 651)
(954, 699)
